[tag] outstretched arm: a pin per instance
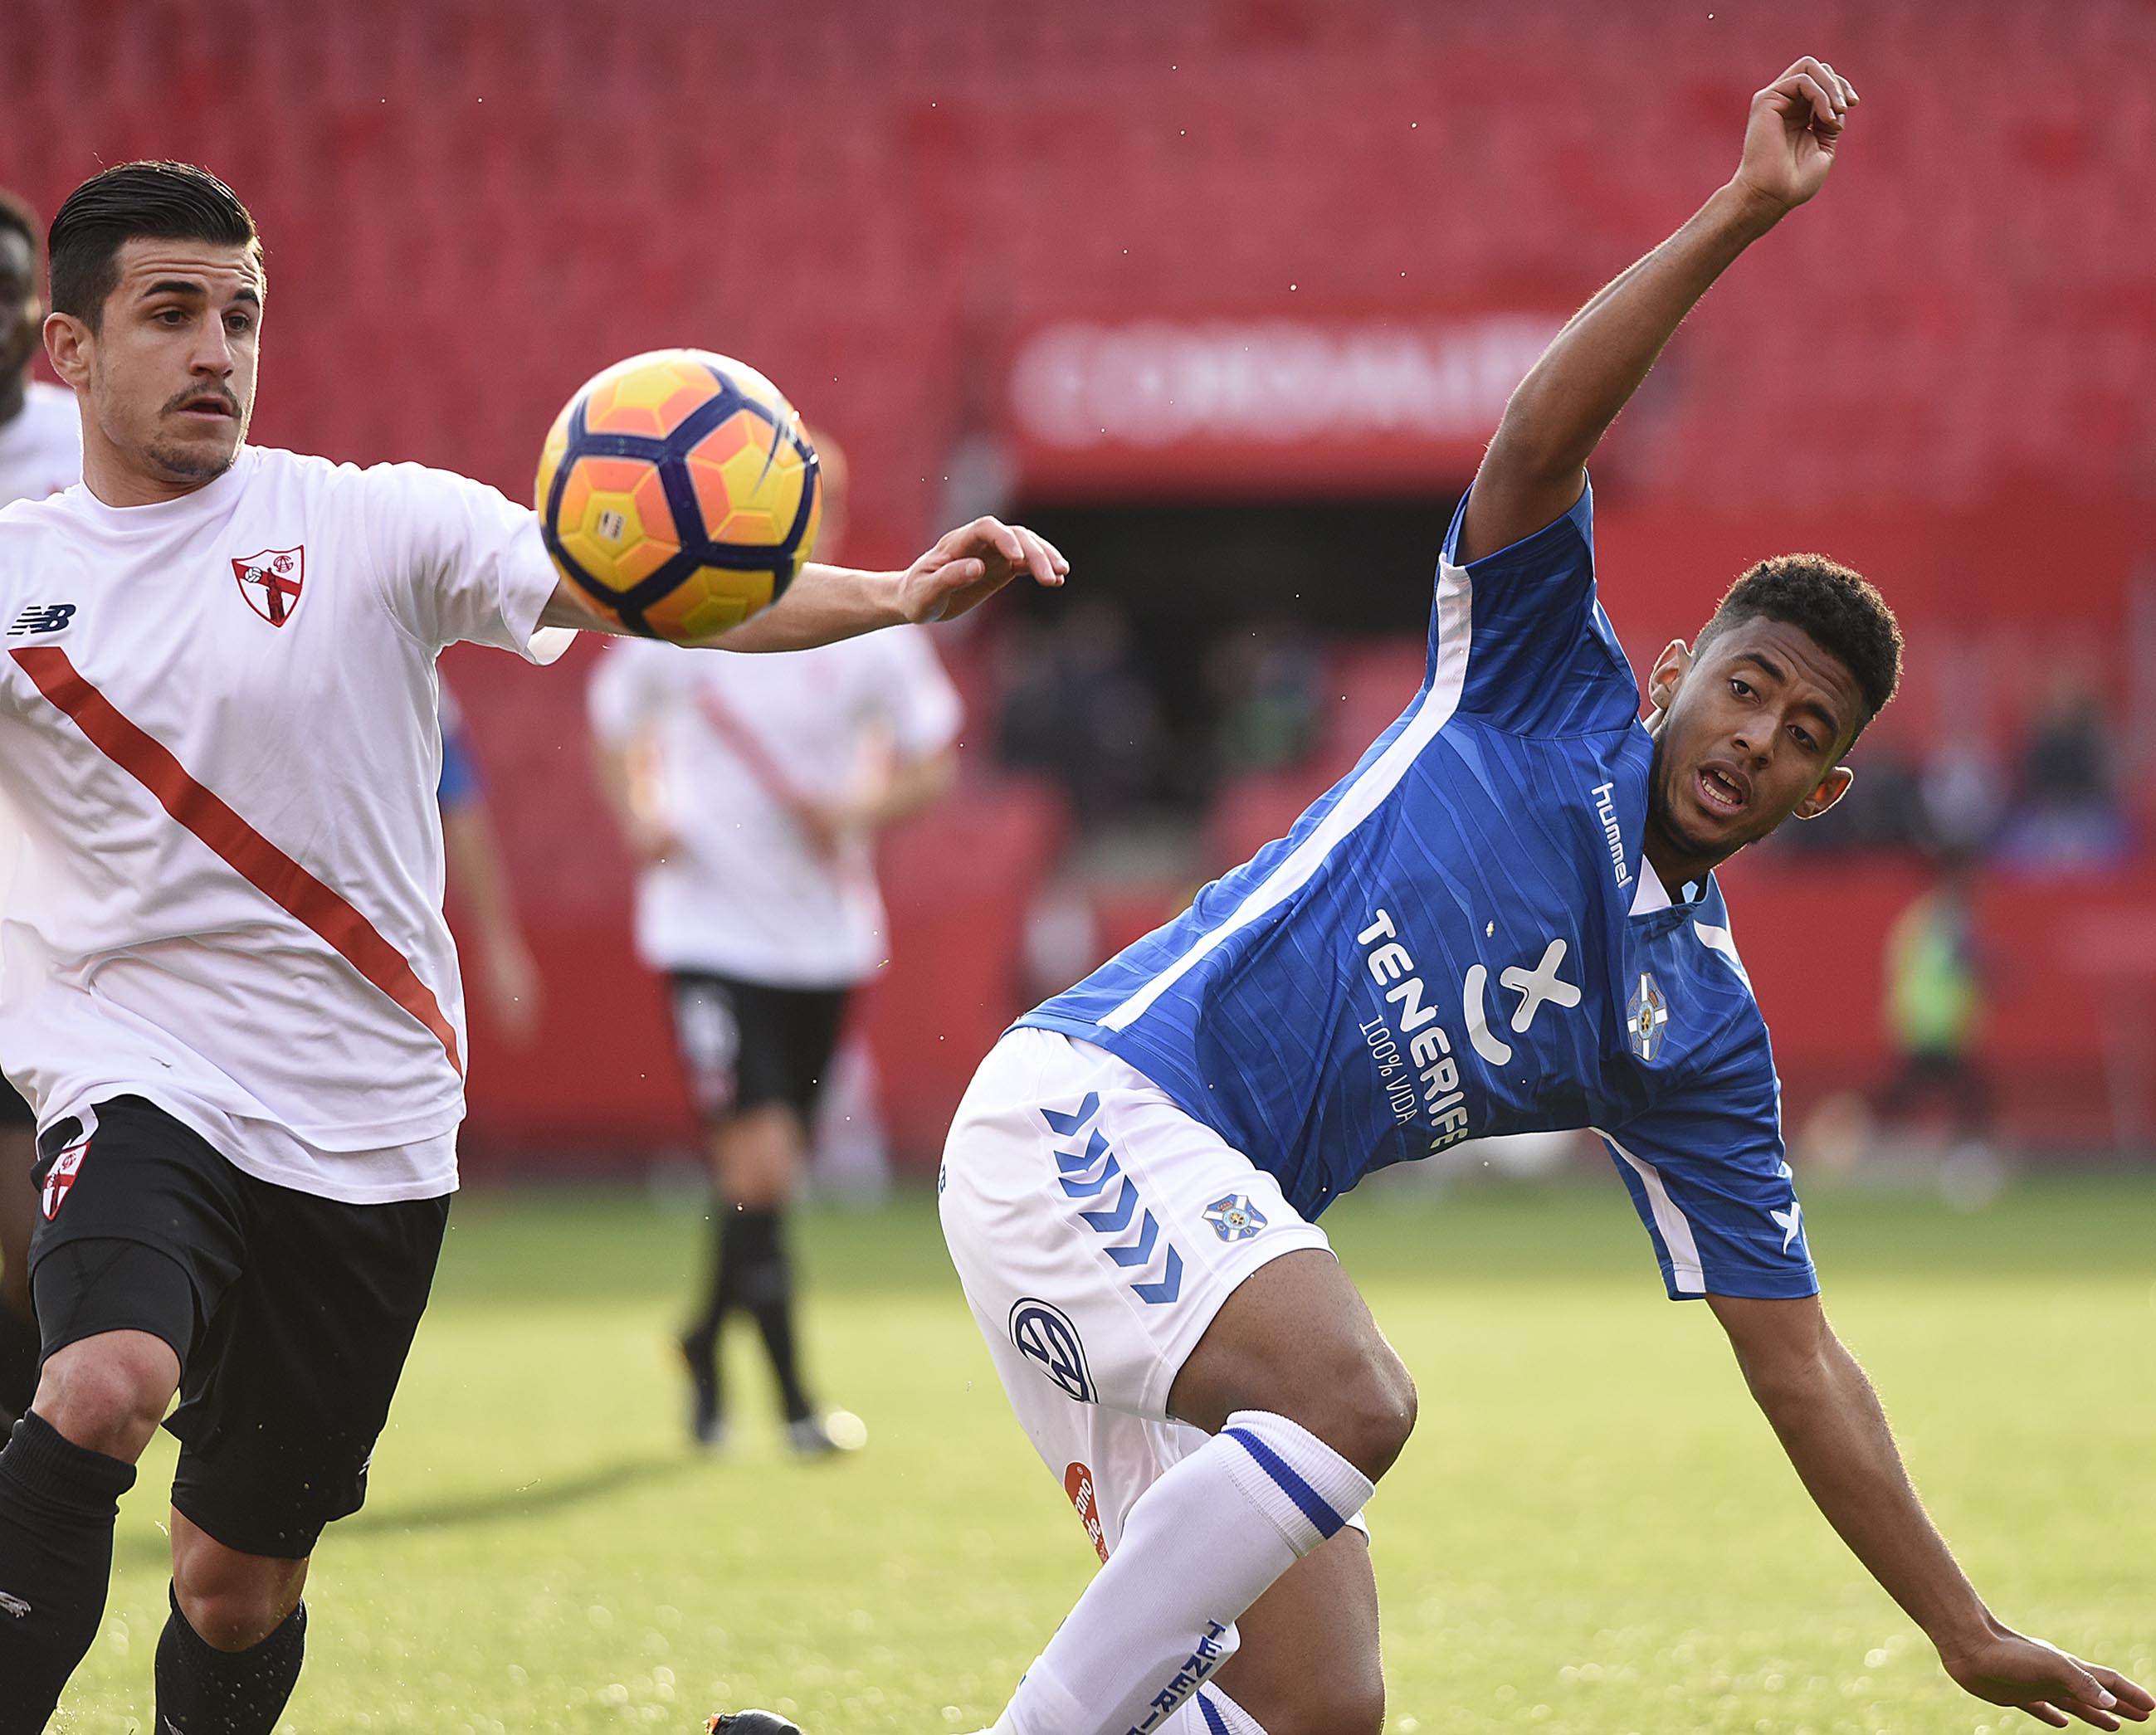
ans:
(965, 568)
(1535, 467)
(1831, 1424)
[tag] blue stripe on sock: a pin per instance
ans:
(1213, 1721)
(1322, 1517)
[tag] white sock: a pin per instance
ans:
(1198, 1548)
(1210, 1712)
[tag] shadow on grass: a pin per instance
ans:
(546, 1494)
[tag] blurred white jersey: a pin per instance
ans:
(218, 727)
(41, 450)
(40, 453)
(735, 740)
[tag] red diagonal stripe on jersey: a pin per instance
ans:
(252, 856)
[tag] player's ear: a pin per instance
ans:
(67, 346)
(1830, 789)
(1669, 669)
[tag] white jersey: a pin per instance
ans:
(41, 449)
(218, 727)
(735, 740)
(40, 453)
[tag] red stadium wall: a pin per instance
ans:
(1946, 374)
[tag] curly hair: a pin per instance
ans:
(1838, 607)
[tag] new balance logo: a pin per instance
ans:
(15, 1605)
(42, 617)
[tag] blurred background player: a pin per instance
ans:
(1934, 1007)
(750, 795)
(40, 453)
(479, 878)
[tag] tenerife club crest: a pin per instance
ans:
(1235, 1218)
(1646, 1016)
(270, 582)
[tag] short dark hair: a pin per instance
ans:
(1839, 609)
(16, 214)
(137, 201)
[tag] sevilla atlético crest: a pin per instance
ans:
(270, 582)
(59, 1178)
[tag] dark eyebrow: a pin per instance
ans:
(181, 286)
(1774, 671)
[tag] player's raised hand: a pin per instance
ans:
(2050, 1686)
(1789, 141)
(970, 564)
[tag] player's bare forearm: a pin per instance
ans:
(1828, 1419)
(824, 604)
(1534, 469)
(1829, 1422)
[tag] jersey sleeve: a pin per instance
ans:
(1710, 1180)
(458, 561)
(1540, 656)
(922, 707)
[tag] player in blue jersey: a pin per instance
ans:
(1505, 918)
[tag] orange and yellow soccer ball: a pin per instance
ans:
(677, 492)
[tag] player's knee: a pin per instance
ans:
(1343, 1710)
(107, 1393)
(1372, 1411)
(1343, 1699)
(234, 1602)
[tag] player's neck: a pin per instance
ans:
(1674, 864)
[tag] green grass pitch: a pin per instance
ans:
(1593, 1532)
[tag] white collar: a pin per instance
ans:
(1650, 894)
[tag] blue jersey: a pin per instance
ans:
(1446, 946)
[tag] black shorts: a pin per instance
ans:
(291, 1315)
(745, 1045)
(13, 1110)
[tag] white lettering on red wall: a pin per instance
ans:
(1154, 383)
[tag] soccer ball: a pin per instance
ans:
(677, 492)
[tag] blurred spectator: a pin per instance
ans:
(1935, 1006)
(1264, 680)
(1074, 709)
(1963, 795)
(2067, 810)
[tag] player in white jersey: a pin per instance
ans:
(228, 989)
(40, 453)
(1504, 919)
(750, 790)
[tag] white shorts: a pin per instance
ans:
(1097, 1230)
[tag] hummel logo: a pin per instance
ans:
(42, 617)
(1790, 1222)
(13, 1605)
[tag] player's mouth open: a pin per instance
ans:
(208, 404)
(1721, 792)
